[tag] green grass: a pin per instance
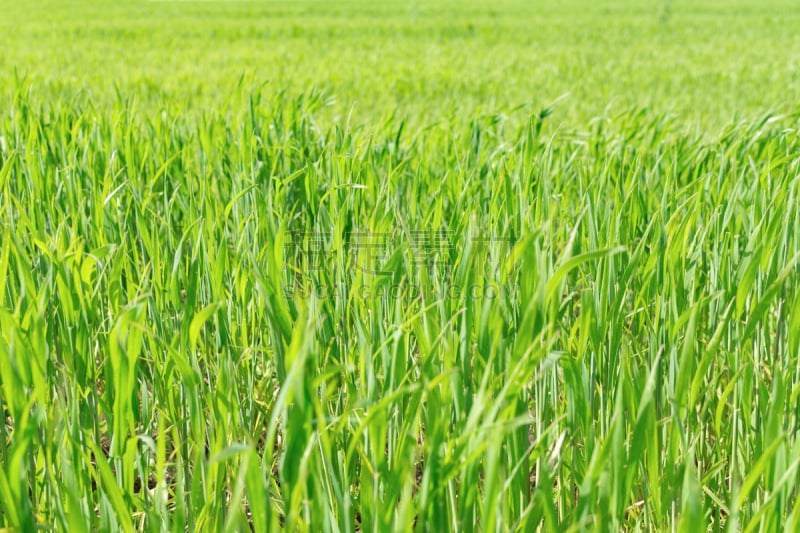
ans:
(709, 61)
(339, 267)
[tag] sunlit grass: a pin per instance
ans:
(242, 316)
(635, 364)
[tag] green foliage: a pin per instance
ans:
(602, 333)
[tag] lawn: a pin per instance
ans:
(402, 266)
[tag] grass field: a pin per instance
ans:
(408, 266)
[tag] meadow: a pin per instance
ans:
(404, 266)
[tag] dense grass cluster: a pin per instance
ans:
(634, 365)
(228, 305)
(714, 61)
